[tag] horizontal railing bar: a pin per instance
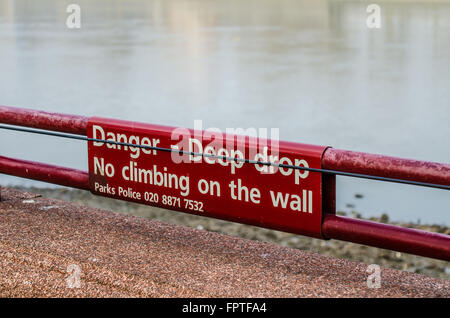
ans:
(386, 166)
(396, 238)
(44, 172)
(72, 124)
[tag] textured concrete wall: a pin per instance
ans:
(54, 248)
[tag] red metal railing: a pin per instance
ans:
(71, 124)
(385, 166)
(43, 172)
(386, 236)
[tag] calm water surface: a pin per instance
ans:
(311, 68)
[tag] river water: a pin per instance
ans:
(311, 68)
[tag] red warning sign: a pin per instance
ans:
(214, 184)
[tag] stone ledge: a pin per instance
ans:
(44, 242)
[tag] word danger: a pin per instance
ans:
(194, 149)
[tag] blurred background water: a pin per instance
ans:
(311, 68)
